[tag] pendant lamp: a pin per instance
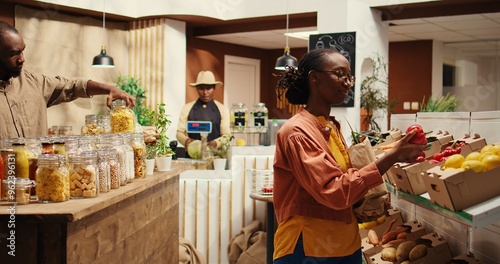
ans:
(286, 59)
(103, 60)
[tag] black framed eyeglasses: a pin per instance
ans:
(344, 77)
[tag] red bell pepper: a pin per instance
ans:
(419, 137)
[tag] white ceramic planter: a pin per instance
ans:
(220, 164)
(164, 163)
(150, 166)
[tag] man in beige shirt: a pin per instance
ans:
(25, 95)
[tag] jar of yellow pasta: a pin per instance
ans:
(52, 178)
(122, 118)
(83, 175)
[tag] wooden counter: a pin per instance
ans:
(137, 223)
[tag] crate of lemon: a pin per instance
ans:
(462, 182)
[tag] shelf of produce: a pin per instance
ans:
(476, 216)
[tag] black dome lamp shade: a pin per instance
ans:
(286, 59)
(103, 60)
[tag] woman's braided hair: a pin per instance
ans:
(294, 82)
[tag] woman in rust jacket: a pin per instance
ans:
(315, 186)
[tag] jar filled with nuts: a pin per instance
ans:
(83, 179)
(122, 118)
(52, 178)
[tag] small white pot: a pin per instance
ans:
(150, 166)
(164, 163)
(220, 164)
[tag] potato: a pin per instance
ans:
(417, 252)
(388, 254)
(403, 250)
(373, 237)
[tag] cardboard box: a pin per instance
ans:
(416, 230)
(438, 251)
(469, 259)
(458, 190)
(472, 144)
(379, 229)
(436, 142)
(408, 176)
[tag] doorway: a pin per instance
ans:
(242, 85)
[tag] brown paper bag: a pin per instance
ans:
(376, 201)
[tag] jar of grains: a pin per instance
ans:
(52, 178)
(115, 142)
(103, 170)
(129, 157)
(114, 168)
(83, 179)
(122, 118)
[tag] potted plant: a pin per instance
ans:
(372, 96)
(221, 153)
(150, 158)
(132, 85)
(160, 120)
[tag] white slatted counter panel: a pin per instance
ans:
(214, 206)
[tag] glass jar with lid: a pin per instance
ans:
(83, 178)
(104, 122)
(139, 147)
(66, 130)
(122, 118)
(91, 126)
(22, 163)
(103, 170)
(115, 142)
(238, 117)
(34, 150)
(52, 178)
(18, 190)
(258, 118)
(129, 157)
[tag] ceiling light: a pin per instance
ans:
(286, 59)
(103, 60)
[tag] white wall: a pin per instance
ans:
(371, 39)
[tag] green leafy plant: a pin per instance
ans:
(160, 120)
(225, 145)
(150, 151)
(372, 96)
(132, 86)
(447, 103)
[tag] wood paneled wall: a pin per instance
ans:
(410, 73)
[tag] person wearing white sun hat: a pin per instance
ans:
(205, 108)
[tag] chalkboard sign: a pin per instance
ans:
(345, 43)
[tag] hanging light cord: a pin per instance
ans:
(286, 34)
(104, 21)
